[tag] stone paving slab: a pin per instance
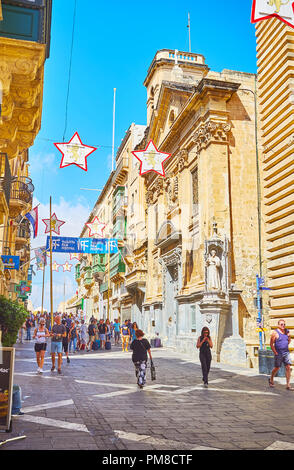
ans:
(236, 412)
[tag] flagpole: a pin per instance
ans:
(64, 294)
(108, 283)
(189, 26)
(113, 127)
(43, 286)
(51, 271)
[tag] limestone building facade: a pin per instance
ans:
(24, 48)
(190, 242)
(276, 106)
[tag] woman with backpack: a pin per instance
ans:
(140, 347)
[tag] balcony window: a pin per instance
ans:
(27, 20)
(5, 176)
(23, 230)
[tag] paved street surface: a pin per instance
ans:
(96, 405)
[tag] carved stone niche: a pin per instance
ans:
(215, 306)
(222, 253)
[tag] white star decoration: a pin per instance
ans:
(151, 159)
(96, 228)
(75, 152)
(67, 267)
(56, 224)
(75, 256)
(55, 266)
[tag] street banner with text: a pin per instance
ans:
(83, 245)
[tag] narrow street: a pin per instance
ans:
(96, 405)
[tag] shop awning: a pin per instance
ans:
(78, 303)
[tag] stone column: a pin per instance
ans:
(233, 349)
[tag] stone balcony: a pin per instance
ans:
(21, 83)
(136, 279)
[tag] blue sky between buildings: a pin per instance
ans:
(114, 44)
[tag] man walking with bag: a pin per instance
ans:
(140, 347)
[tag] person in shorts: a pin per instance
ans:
(102, 329)
(58, 333)
(40, 335)
(125, 335)
(279, 344)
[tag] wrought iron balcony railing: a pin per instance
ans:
(21, 191)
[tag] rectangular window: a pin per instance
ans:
(193, 318)
(156, 220)
(195, 191)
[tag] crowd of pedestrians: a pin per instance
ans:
(70, 334)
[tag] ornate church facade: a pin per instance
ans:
(196, 233)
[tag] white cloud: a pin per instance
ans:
(41, 164)
(74, 215)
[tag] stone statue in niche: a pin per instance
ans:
(213, 264)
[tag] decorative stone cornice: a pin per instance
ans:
(183, 156)
(210, 132)
(21, 75)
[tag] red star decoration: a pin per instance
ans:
(151, 159)
(264, 10)
(75, 152)
(56, 224)
(96, 228)
(75, 256)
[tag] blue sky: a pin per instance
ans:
(114, 45)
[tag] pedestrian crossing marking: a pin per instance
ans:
(54, 422)
(46, 406)
(280, 445)
(159, 442)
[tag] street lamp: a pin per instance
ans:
(258, 278)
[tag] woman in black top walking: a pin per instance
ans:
(140, 346)
(204, 343)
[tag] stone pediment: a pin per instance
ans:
(167, 235)
(172, 98)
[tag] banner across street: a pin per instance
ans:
(83, 245)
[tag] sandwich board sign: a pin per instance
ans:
(6, 386)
